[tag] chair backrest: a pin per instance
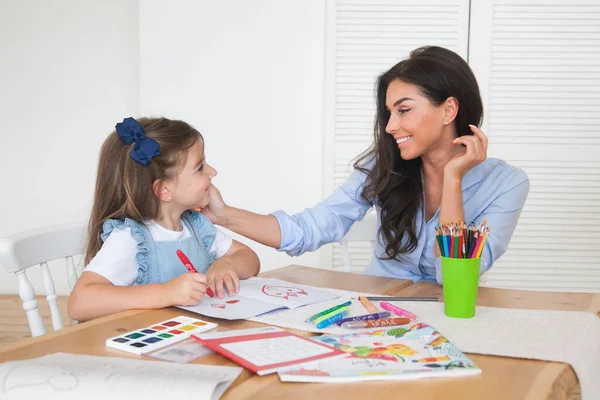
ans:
(24, 250)
(361, 231)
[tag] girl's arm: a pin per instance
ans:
(95, 296)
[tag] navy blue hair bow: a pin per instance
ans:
(145, 148)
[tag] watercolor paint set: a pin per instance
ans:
(157, 336)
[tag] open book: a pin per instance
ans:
(401, 353)
(76, 377)
(260, 295)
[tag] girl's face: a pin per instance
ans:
(414, 122)
(189, 189)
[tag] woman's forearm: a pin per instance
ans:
(263, 229)
(451, 208)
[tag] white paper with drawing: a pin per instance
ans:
(72, 376)
(260, 295)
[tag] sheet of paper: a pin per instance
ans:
(286, 294)
(259, 296)
(182, 353)
(73, 377)
(235, 307)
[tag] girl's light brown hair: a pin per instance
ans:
(124, 187)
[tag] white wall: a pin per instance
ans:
(249, 75)
(69, 70)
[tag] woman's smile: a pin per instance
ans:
(402, 140)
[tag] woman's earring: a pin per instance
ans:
(445, 122)
(169, 198)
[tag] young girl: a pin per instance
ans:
(151, 173)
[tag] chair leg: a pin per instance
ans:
(57, 322)
(71, 273)
(30, 305)
(72, 277)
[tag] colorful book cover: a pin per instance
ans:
(401, 353)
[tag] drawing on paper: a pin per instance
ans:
(282, 291)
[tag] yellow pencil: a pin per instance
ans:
(481, 246)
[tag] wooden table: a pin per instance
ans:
(502, 378)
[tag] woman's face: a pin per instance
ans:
(414, 122)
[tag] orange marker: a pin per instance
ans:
(376, 323)
(368, 305)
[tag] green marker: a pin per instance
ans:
(331, 314)
(329, 310)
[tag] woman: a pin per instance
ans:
(427, 166)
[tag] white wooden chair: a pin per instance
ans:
(361, 231)
(24, 250)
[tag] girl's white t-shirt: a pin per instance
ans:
(116, 259)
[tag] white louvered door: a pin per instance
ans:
(364, 39)
(538, 65)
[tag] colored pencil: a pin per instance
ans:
(457, 240)
(481, 247)
(476, 248)
(392, 298)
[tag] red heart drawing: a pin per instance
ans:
(232, 301)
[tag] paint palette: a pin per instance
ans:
(157, 336)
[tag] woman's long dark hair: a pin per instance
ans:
(396, 183)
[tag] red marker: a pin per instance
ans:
(190, 267)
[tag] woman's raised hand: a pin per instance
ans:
(475, 153)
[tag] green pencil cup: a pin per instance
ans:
(460, 282)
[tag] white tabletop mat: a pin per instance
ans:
(571, 337)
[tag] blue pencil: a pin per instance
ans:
(446, 251)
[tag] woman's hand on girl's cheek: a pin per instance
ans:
(216, 210)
